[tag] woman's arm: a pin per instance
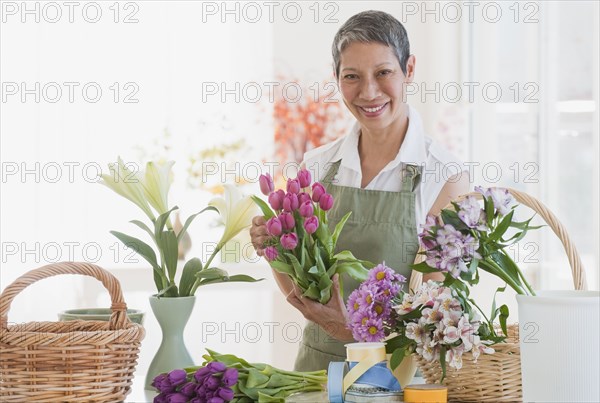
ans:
(455, 186)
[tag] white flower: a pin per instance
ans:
(467, 332)
(454, 356)
(428, 351)
(236, 212)
(451, 335)
(156, 183)
(128, 184)
(416, 332)
(481, 347)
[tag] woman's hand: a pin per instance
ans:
(258, 234)
(332, 317)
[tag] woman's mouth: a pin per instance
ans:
(374, 110)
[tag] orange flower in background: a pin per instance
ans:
(305, 123)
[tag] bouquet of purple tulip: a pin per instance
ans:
(301, 245)
(211, 383)
(227, 378)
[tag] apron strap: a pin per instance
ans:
(331, 172)
(411, 176)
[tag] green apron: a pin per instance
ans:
(382, 226)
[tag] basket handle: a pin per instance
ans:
(118, 319)
(577, 271)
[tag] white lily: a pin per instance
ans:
(156, 183)
(236, 212)
(126, 183)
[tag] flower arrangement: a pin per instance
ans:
(430, 321)
(301, 245)
(439, 321)
(149, 191)
(225, 377)
(468, 237)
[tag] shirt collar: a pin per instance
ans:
(412, 150)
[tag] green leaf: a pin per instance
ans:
(168, 244)
(282, 267)
(170, 291)
(424, 268)
(160, 222)
(312, 292)
(354, 270)
(325, 286)
(238, 278)
(297, 268)
(338, 229)
(396, 342)
(145, 251)
(396, 358)
(145, 228)
(502, 227)
(494, 310)
(212, 273)
(503, 318)
(451, 217)
(489, 210)
(264, 207)
(188, 276)
(189, 221)
(347, 255)
(443, 361)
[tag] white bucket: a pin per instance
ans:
(560, 347)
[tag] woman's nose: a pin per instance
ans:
(369, 89)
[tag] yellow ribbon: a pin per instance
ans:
(366, 355)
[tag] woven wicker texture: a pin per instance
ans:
(497, 377)
(75, 361)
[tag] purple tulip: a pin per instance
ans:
(303, 197)
(287, 221)
(157, 381)
(177, 398)
(290, 202)
(189, 389)
(216, 366)
(293, 186)
(215, 400)
(311, 224)
(289, 241)
(304, 178)
(274, 226)
(306, 209)
(326, 201)
(197, 400)
(317, 191)
(177, 377)
(225, 393)
(230, 377)
(212, 382)
(271, 253)
(276, 199)
(201, 373)
(266, 184)
(201, 389)
(161, 398)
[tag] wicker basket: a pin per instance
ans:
(497, 377)
(75, 361)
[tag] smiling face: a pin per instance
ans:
(372, 85)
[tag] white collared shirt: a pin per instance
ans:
(437, 164)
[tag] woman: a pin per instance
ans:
(382, 171)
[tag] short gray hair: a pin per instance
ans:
(372, 26)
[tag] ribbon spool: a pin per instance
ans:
(366, 364)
